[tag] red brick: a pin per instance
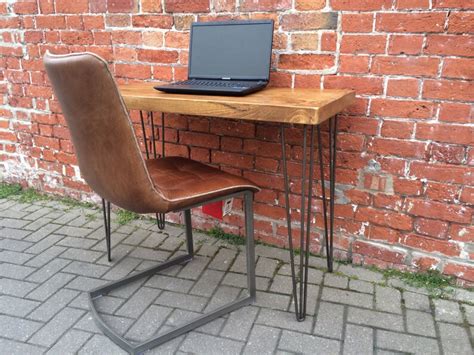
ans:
(72, 7)
(121, 5)
(51, 22)
(410, 22)
(431, 227)
(133, 71)
(401, 148)
(155, 21)
(357, 22)
(126, 37)
(361, 85)
(453, 3)
(328, 41)
(462, 271)
(309, 21)
(353, 64)
(402, 108)
(450, 45)
(467, 195)
(448, 89)
(423, 66)
(403, 87)
(390, 219)
(157, 56)
(412, 4)
(422, 262)
(357, 5)
(378, 251)
(177, 39)
(224, 5)
(25, 8)
(461, 232)
(356, 44)
(186, 6)
(462, 68)
(113, 20)
(448, 133)
(307, 81)
(443, 172)
(265, 5)
(397, 129)
(306, 61)
(461, 22)
(46, 6)
(407, 187)
(151, 6)
(93, 22)
(384, 234)
(456, 112)
(374, 182)
(431, 245)
(270, 181)
(447, 153)
(438, 210)
(279, 79)
(309, 4)
(233, 128)
(405, 44)
(242, 161)
(199, 139)
(441, 192)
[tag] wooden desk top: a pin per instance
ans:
(303, 106)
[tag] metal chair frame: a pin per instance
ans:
(136, 348)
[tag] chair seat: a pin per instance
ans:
(185, 182)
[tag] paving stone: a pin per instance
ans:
(47, 288)
(416, 301)
(42, 233)
(15, 306)
(80, 243)
(10, 213)
(360, 273)
(280, 319)
(100, 345)
(17, 328)
(13, 347)
(406, 343)
(223, 260)
(463, 295)
(347, 297)
(14, 257)
(148, 323)
(208, 283)
(329, 320)
(137, 237)
(240, 264)
(170, 283)
(421, 323)
(48, 270)
(179, 300)
(193, 269)
(262, 341)
(240, 280)
(123, 268)
(153, 240)
(208, 344)
(15, 287)
(135, 305)
(85, 283)
(108, 304)
(172, 243)
(149, 254)
(36, 225)
(53, 305)
(222, 296)
(118, 324)
(361, 286)
(13, 233)
(375, 319)
(273, 300)
(18, 272)
(44, 244)
(469, 311)
(53, 330)
(303, 343)
(180, 317)
(282, 284)
(455, 339)
(266, 267)
(207, 250)
(45, 257)
(315, 276)
(388, 299)
(358, 340)
(239, 323)
(447, 311)
(400, 284)
(69, 343)
(82, 255)
(333, 280)
(14, 245)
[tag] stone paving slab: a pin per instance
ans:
(51, 254)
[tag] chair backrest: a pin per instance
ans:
(107, 149)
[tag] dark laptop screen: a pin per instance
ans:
(237, 49)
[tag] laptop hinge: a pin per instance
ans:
(226, 78)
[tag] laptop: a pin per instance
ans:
(227, 58)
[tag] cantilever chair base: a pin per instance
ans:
(137, 348)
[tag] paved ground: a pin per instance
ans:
(50, 254)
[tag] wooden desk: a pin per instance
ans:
(308, 107)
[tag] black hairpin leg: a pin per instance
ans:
(106, 212)
(300, 281)
(160, 217)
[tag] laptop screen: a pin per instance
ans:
(235, 50)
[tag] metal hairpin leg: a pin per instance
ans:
(300, 282)
(136, 348)
(106, 212)
(160, 217)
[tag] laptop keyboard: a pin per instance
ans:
(215, 83)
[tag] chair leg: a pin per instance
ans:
(160, 221)
(137, 348)
(189, 232)
(106, 212)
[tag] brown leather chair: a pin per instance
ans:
(112, 164)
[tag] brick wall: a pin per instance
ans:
(405, 190)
